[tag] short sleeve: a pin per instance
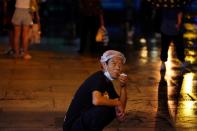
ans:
(98, 85)
(99, 82)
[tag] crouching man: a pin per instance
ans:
(96, 103)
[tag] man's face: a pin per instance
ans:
(114, 67)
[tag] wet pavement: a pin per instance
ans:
(35, 94)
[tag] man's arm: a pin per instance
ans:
(120, 110)
(98, 100)
(123, 97)
(123, 78)
(179, 21)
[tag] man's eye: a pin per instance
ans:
(113, 63)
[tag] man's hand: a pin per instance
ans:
(123, 78)
(120, 114)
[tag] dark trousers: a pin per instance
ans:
(178, 43)
(88, 29)
(94, 119)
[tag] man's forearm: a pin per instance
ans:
(123, 96)
(99, 100)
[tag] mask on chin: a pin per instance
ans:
(106, 73)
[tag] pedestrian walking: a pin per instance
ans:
(171, 32)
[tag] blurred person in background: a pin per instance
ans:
(8, 11)
(171, 25)
(35, 30)
(22, 19)
(90, 19)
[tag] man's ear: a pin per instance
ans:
(104, 65)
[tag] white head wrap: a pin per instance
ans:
(112, 53)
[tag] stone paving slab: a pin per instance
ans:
(35, 94)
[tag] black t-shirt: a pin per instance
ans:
(82, 100)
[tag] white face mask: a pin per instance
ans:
(106, 73)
